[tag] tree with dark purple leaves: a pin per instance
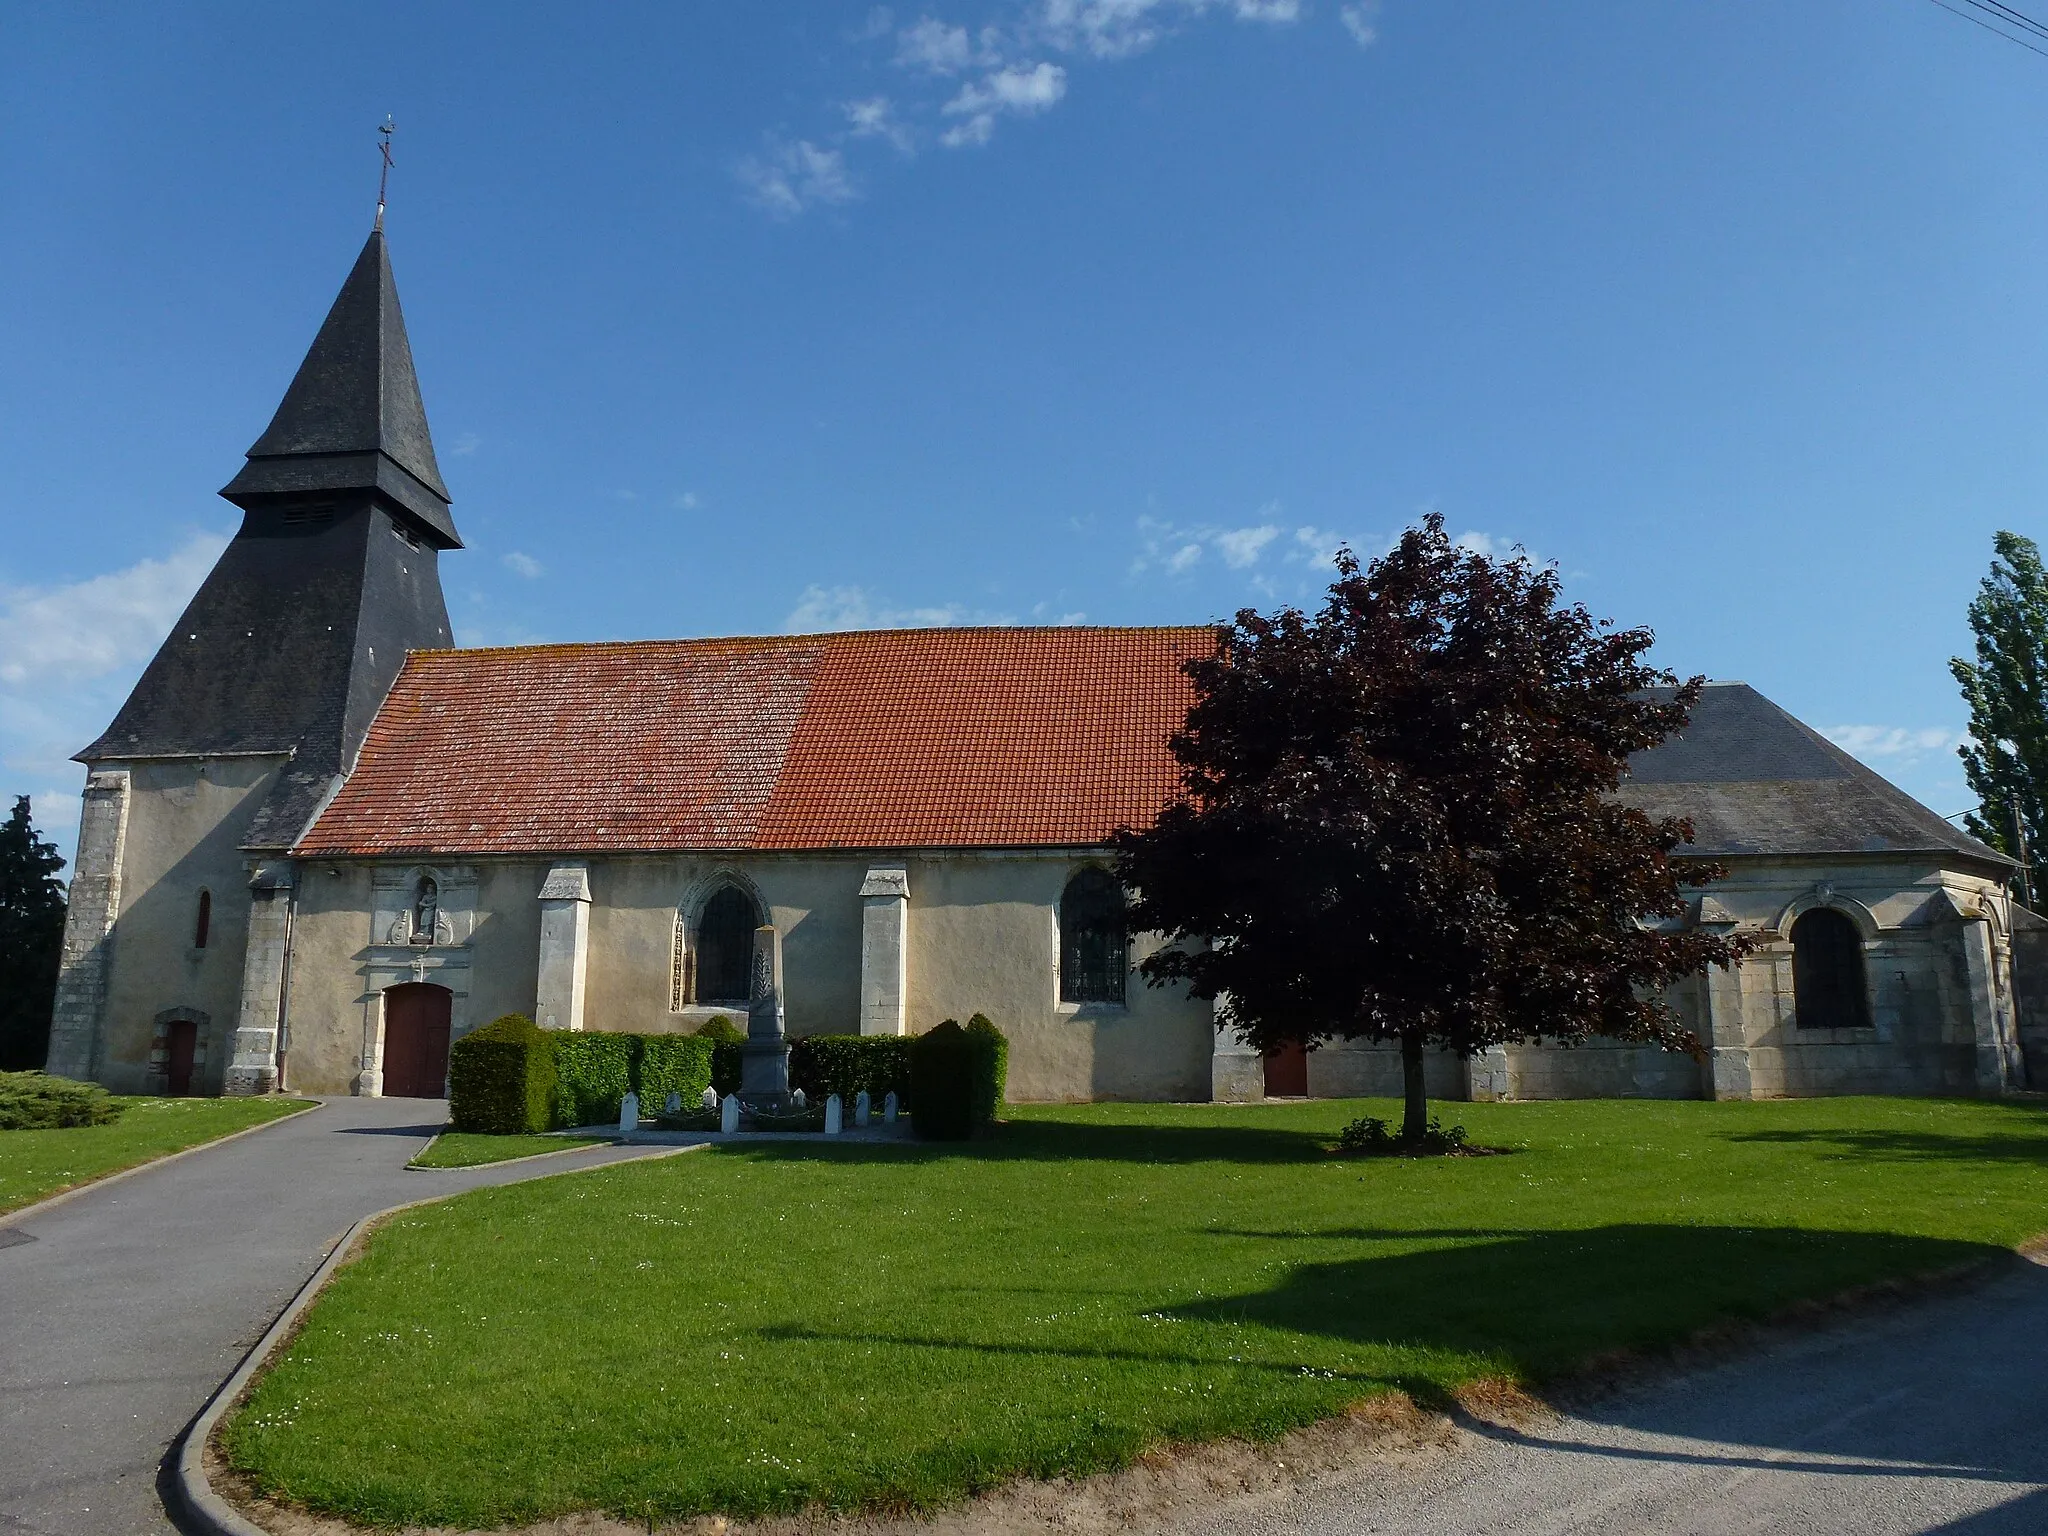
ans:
(1398, 821)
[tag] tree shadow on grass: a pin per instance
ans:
(1871, 1145)
(1546, 1302)
(1066, 1141)
(1538, 1305)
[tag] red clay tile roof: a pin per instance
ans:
(927, 738)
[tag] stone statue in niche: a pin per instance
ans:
(426, 910)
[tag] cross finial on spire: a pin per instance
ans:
(386, 128)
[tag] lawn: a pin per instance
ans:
(37, 1164)
(754, 1329)
(471, 1149)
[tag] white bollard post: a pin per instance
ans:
(833, 1116)
(729, 1114)
(889, 1108)
(860, 1108)
(629, 1114)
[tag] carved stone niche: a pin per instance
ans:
(423, 906)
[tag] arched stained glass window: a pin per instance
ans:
(725, 947)
(1828, 989)
(1093, 945)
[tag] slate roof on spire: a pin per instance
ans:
(352, 419)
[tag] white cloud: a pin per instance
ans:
(522, 564)
(55, 635)
(880, 20)
(1362, 22)
(875, 118)
(1276, 11)
(1241, 547)
(687, 501)
(1177, 550)
(932, 45)
(1023, 91)
(69, 654)
(1895, 743)
(835, 608)
(792, 175)
(466, 444)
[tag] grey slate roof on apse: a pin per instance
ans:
(1753, 780)
(352, 418)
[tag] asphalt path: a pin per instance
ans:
(124, 1307)
(1925, 1417)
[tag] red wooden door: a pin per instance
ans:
(416, 1041)
(1287, 1072)
(183, 1041)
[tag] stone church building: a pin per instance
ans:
(319, 843)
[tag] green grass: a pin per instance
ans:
(756, 1328)
(472, 1149)
(37, 1164)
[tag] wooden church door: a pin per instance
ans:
(416, 1019)
(1287, 1072)
(183, 1041)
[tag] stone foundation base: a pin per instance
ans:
(247, 1082)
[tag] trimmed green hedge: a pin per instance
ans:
(665, 1064)
(956, 1079)
(501, 1078)
(991, 1068)
(36, 1101)
(594, 1071)
(845, 1064)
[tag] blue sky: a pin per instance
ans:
(747, 318)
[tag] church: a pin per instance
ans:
(319, 842)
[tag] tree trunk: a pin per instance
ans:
(1415, 1113)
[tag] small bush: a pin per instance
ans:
(846, 1064)
(36, 1101)
(666, 1064)
(721, 1028)
(501, 1078)
(991, 1068)
(1371, 1137)
(593, 1073)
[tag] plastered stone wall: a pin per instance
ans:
(186, 818)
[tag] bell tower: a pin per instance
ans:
(253, 708)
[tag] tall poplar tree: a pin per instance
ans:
(2006, 687)
(1398, 821)
(31, 939)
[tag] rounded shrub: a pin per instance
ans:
(942, 1083)
(721, 1029)
(36, 1101)
(501, 1078)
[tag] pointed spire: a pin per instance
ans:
(352, 419)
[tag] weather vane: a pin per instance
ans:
(384, 176)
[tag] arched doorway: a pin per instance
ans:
(416, 1041)
(181, 1044)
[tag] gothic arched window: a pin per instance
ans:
(1093, 946)
(725, 947)
(1828, 989)
(202, 922)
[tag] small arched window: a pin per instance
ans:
(1093, 945)
(1828, 990)
(725, 947)
(202, 922)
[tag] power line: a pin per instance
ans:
(2004, 13)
